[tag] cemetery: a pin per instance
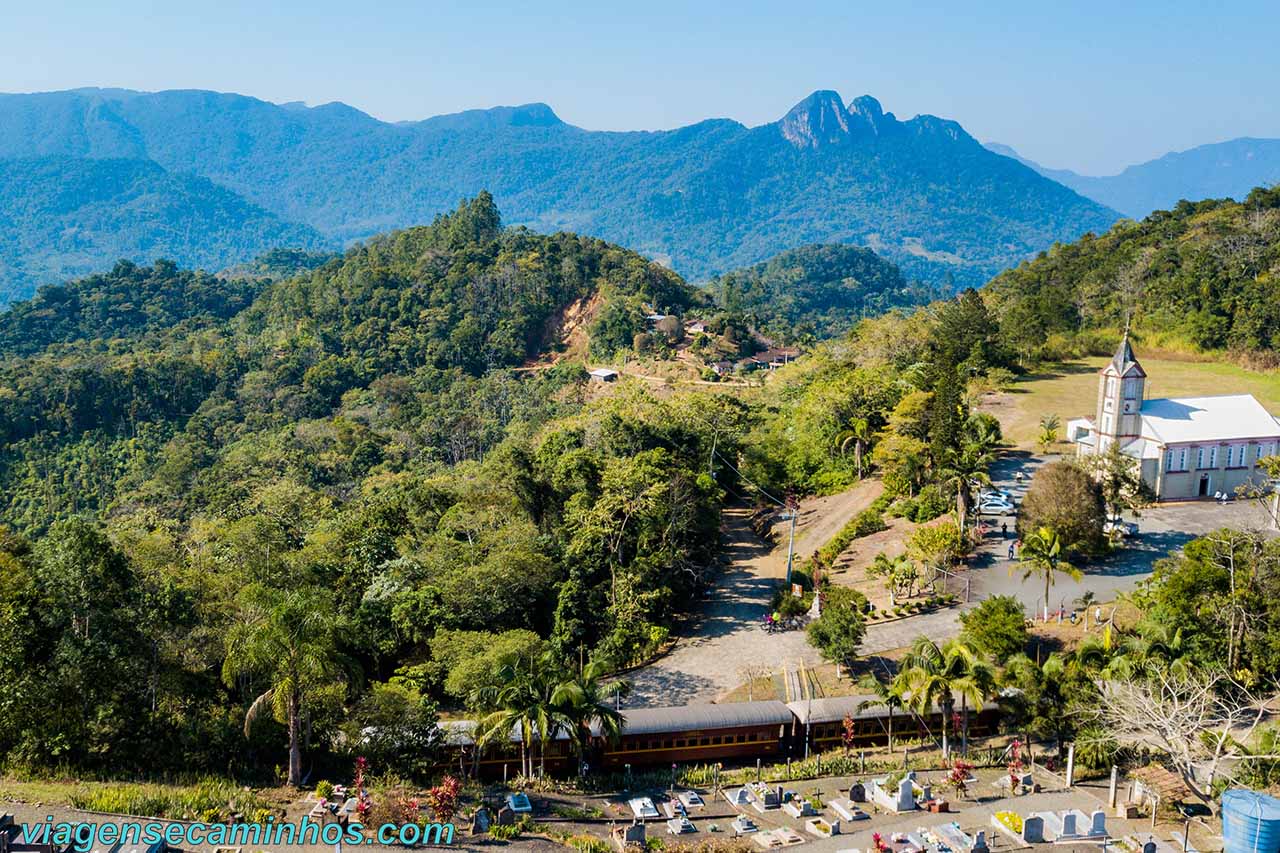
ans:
(905, 812)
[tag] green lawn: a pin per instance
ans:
(1070, 390)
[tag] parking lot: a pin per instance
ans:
(1161, 529)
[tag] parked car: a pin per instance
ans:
(996, 505)
(1118, 526)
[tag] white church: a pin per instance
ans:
(1189, 447)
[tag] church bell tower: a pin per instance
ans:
(1121, 387)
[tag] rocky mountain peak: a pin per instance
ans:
(867, 111)
(817, 121)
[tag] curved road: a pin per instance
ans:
(713, 652)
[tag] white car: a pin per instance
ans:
(995, 505)
(1125, 529)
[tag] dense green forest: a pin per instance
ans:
(66, 216)
(817, 291)
(124, 303)
(192, 465)
(1204, 275)
(184, 453)
(347, 497)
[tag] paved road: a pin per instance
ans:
(715, 650)
(1163, 528)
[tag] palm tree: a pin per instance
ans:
(1086, 600)
(858, 434)
(1049, 425)
(510, 704)
(587, 698)
(981, 433)
(933, 675)
(287, 638)
(963, 469)
(1042, 554)
(1154, 648)
(887, 696)
(975, 679)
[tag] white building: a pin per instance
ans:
(1189, 447)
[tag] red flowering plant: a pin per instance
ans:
(443, 799)
(363, 803)
(958, 778)
(1015, 765)
(846, 737)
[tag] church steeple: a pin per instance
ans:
(1124, 362)
(1121, 387)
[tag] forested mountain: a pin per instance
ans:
(817, 291)
(705, 198)
(124, 303)
(1204, 275)
(1219, 170)
(63, 216)
(350, 438)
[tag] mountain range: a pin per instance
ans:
(1220, 170)
(62, 217)
(703, 199)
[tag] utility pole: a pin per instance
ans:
(793, 510)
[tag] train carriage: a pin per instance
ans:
(700, 734)
(820, 723)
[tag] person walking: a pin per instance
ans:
(1010, 550)
(1004, 530)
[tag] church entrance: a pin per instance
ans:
(1204, 486)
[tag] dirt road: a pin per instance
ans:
(713, 651)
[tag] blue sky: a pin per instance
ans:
(1087, 86)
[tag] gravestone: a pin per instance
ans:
(1149, 847)
(858, 792)
(506, 816)
(480, 821)
(633, 834)
(1068, 825)
(1098, 823)
(980, 843)
(1033, 829)
(906, 796)
(926, 793)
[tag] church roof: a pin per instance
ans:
(1226, 418)
(1124, 362)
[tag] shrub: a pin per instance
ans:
(501, 832)
(324, 790)
(996, 628)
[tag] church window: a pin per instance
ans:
(1168, 461)
(1213, 457)
(1182, 460)
(1199, 457)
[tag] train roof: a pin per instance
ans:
(683, 718)
(463, 733)
(836, 708)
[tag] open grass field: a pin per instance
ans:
(1071, 389)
